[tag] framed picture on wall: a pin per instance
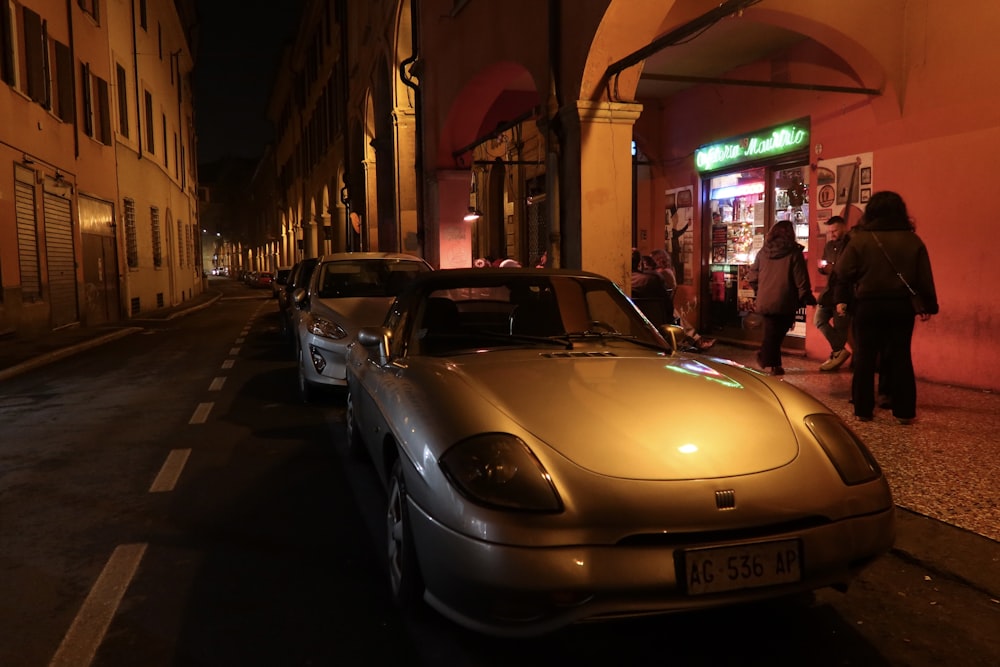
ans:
(866, 176)
(866, 194)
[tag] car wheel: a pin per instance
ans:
(404, 573)
(355, 446)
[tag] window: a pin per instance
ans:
(143, 20)
(181, 243)
(36, 63)
(154, 226)
(88, 100)
(96, 112)
(122, 100)
(64, 104)
(131, 242)
(90, 7)
(102, 111)
(8, 63)
(177, 162)
(150, 133)
(166, 161)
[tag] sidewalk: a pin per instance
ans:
(944, 467)
(18, 355)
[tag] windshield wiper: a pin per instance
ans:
(561, 341)
(614, 335)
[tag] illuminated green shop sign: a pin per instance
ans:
(766, 143)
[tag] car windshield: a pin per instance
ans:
(366, 277)
(561, 311)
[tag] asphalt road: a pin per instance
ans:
(167, 500)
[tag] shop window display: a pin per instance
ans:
(743, 207)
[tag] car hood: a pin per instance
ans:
(639, 417)
(353, 313)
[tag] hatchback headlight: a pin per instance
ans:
(320, 326)
(849, 455)
(498, 470)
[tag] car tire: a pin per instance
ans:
(405, 581)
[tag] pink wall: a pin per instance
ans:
(935, 148)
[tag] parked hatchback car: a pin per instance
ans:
(298, 278)
(280, 280)
(549, 456)
(346, 292)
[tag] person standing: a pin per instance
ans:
(780, 278)
(650, 293)
(831, 324)
(665, 268)
(883, 265)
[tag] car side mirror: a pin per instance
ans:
(298, 296)
(674, 335)
(376, 341)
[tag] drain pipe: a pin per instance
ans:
(418, 124)
(556, 137)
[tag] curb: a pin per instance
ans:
(949, 552)
(64, 352)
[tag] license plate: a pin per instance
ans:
(718, 569)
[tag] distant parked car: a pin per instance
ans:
(280, 280)
(264, 280)
(347, 291)
(550, 457)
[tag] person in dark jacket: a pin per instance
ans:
(834, 327)
(883, 257)
(780, 278)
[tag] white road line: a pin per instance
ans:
(201, 413)
(87, 630)
(228, 363)
(167, 478)
(234, 352)
(217, 384)
(240, 341)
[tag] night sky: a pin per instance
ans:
(240, 47)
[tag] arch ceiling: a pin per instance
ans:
(500, 93)
(759, 31)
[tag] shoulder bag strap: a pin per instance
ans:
(892, 264)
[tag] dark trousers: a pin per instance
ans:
(775, 328)
(883, 330)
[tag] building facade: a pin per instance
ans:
(574, 131)
(97, 185)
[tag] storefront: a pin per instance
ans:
(748, 183)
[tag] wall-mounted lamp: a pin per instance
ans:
(474, 213)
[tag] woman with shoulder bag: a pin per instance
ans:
(887, 267)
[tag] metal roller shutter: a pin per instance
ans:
(61, 259)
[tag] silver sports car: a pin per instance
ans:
(550, 457)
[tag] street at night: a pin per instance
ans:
(168, 500)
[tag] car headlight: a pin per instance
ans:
(498, 470)
(320, 326)
(849, 455)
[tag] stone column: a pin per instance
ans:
(596, 179)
